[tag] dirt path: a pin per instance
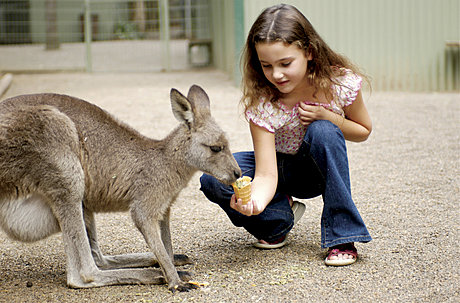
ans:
(404, 181)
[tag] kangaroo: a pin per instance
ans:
(63, 159)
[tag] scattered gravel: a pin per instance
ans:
(404, 181)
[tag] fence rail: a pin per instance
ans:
(120, 35)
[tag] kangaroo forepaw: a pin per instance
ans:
(183, 287)
(179, 260)
(184, 275)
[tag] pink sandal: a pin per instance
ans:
(347, 248)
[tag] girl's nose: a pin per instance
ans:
(277, 74)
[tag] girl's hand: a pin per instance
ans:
(249, 209)
(356, 126)
(310, 113)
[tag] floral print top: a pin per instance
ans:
(285, 123)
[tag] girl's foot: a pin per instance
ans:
(271, 245)
(341, 255)
(298, 209)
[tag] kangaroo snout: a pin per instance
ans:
(234, 174)
(237, 174)
(222, 164)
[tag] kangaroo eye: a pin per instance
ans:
(216, 149)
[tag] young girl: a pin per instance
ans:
(302, 101)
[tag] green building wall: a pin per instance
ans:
(403, 45)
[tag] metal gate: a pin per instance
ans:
(104, 35)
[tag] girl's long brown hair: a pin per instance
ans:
(285, 23)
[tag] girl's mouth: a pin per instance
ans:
(282, 83)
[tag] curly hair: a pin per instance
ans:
(285, 23)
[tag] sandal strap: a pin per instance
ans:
(277, 241)
(336, 251)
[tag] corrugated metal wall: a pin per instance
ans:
(223, 35)
(401, 44)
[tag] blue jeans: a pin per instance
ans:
(320, 167)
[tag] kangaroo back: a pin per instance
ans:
(63, 159)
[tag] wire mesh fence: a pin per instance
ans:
(140, 35)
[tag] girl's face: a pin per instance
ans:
(284, 65)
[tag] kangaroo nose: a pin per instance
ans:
(237, 173)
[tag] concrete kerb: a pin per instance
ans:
(5, 83)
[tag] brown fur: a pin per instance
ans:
(63, 159)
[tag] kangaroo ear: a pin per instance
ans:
(181, 107)
(200, 100)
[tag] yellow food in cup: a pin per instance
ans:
(242, 188)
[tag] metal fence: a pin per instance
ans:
(410, 45)
(104, 35)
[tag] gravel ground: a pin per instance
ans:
(404, 181)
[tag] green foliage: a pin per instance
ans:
(127, 31)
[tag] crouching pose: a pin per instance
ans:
(302, 101)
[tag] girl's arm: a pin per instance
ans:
(356, 126)
(266, 176)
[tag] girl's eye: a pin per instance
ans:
(216, 149)
(286, 64)
(265, 65)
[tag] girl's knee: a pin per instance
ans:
(207, 183)
(321, 127)
(214, 190)
(325, 131)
